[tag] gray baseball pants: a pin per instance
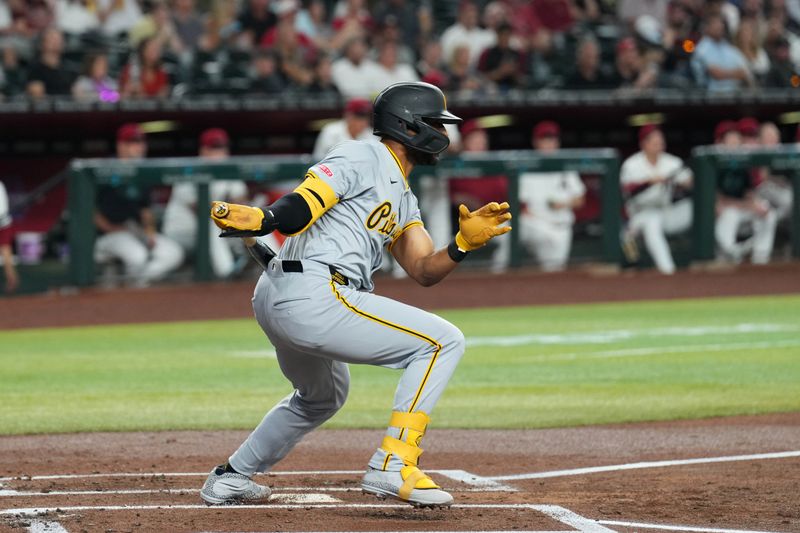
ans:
(318, 326)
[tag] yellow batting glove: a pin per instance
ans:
(238, 220)
(476, 228)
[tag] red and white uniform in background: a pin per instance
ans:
(5, 217)
(651, 211)
(546, 220)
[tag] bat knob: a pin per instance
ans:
(221, 210)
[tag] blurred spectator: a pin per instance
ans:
(538, 60)
(466, 32)
(548, 200)
(6, 254)
(118, 16)
(354, 125)
(76, 17)
(189, 24)
(13, 75)
(782, 72)
(679, 39)
(588, 72)
(95, 85)
(157, 24)
(651, 178)
(355, 74)
(717, 64)
(323, 78)
(629, 10)
(264, 76)
(502, 64)
(48, 76)
(557, 16)
(775, 189)
(294, 50)
(144, 76)
(632, 71)
(431, 61)
(400, 14)
(391, 71)
(748, 42)
(475, 192)
(255, 20)
(352, 18)
(180, 216)
(313, 23)
(128, 226)
(739, 206)
(461, 75)
(389, 33)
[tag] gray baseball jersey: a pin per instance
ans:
(375, 207)
(319, 322)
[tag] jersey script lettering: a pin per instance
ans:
(382, 219)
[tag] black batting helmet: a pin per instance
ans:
(412, 106)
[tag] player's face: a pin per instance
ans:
(547, 144)
(654, 143)
(131, 149)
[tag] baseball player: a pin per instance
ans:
(650, 179)
(549, 200)
(353, 125)
(180, 220)
(315, 304)
(6, 254)
(128, 226)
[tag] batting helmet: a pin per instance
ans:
(413, 106)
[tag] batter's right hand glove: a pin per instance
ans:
(240, 220)
(476, 228)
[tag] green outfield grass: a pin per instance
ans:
(525, 368)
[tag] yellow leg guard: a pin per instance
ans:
(407, 449)
(414, 478)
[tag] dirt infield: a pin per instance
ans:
(729, 482)
(727, 475)
(462, 289)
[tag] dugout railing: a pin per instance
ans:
(88, 174)
(708, 162)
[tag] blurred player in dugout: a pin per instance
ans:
(355, 125)
(6, 255)
(180, 215)
(740, 209)
(126, 224)
(655, 185)
(548, 202)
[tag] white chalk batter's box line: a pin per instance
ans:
(477, 483)
(555, 512)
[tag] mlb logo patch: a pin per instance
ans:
(326, 170)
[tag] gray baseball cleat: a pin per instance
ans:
(231, 488)
(409, 485)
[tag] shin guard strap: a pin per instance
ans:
(417, 421)
(408, 453)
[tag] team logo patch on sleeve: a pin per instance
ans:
(328, 172)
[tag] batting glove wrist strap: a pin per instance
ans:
(456, 253)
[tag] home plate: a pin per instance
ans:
(303, 498)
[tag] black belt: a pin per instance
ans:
(297, 266)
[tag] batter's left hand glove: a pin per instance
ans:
(476, 228)
(240, 220)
